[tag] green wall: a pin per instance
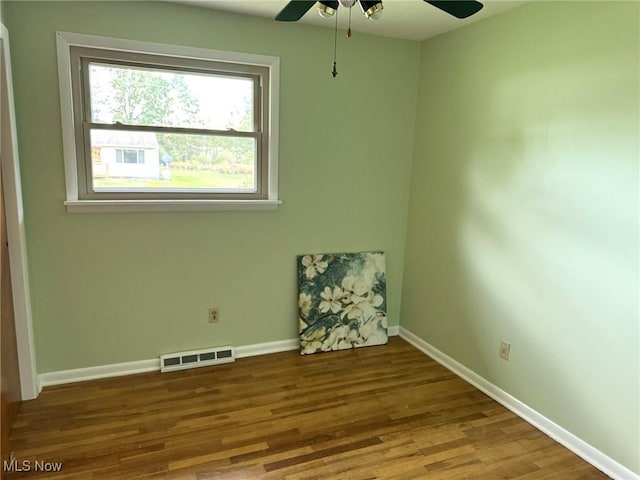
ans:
(111, 288)
(523, 221)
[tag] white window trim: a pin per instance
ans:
(65, 40)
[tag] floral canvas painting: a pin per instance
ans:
(341, 301)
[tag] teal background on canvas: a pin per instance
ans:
(342, 301)
(505, 155)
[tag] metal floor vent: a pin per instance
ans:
(196, 358)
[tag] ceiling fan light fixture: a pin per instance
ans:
(327, 9)
(371, 9)
(347, 3)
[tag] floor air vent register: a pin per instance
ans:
(196, 358)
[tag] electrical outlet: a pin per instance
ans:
(214, 315)
(505, 348)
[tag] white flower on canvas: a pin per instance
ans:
(302, 324)
(357, 308)
(375, 299)
(352, 287)
(338, 334)
(376, 337)
(375, 261)
(331, 300)
(366, 329)
(354, 335)
(315, 265)
(373, 266)
(305, 302)
(312, 340)
(362, 307)
(311, 347)
(382, 320)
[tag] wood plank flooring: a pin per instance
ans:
(387, 412)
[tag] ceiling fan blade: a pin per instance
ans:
(294, 10)
(457, 8)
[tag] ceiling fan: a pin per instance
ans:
(372, 9)
(294, 10)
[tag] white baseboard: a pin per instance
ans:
(152, 365)
(581, 448)
(102, 371)
(266, 348)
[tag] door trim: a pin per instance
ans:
(15, 227)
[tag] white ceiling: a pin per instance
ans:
(407, 19)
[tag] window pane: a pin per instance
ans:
(172, 162)
(155, 97)
(130, 156)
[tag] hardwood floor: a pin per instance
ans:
(385, 412)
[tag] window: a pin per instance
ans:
(150, 126)
(128, 156)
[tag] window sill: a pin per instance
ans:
(111, 206)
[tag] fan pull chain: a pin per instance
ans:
(334, 72)
(349, 29)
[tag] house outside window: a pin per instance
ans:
(124, 158)
(144, 125)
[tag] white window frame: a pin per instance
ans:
(74, 204)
